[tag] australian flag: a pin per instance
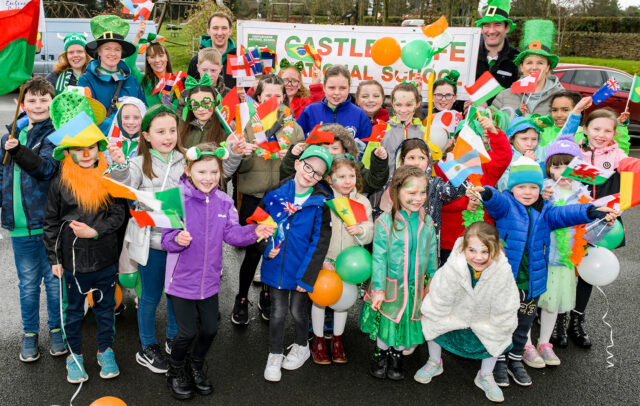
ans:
(607, 90)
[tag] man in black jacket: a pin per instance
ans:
(496, 54)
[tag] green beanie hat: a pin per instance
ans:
(525, 170)
(74, 38)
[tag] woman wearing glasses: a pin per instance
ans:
(259, 172)
(445, 95)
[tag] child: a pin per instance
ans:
(601, 150)
(25, 176)
(158, 167)
(458, 213)
(445, 93)
(415, 152)
(257, 175)
(404, 125)
(200, 124)
(210, 62)
(210, 219)
(561, 280)
(525, 222)
(304, 224)
(336, 107)
(345, 180)
(524, 135)
(370, 97)
(128, 123)
(471, 307)
(373, 179)
(391, 312)
(80, 226)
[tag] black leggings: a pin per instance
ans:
(583, 293)
(198, 324)
(252, 253)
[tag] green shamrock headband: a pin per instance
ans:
(194, 153)
(284, 64)
(411, 82)
(345, 156)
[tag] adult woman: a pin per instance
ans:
(71, 63)
(536, 57)
(108, 76)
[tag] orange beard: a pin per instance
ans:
(85, 185)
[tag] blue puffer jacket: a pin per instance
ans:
(347, 114)
(104, 86)
(304, 234)
(38, 168)
(518, 229)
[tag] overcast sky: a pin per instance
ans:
(626, 3)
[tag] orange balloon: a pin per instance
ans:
(108, 401)
(118, 297)
(327, 289)
(385, 51)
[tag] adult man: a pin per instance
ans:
(496, 54)
(219, 29)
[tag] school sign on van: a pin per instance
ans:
(351, 46)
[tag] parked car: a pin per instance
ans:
(53, 46)
(587, 79)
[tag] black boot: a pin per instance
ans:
(559, 335)
(394, 365)
(179, 383)
(200, 381)
(378, 368)
(576, 330)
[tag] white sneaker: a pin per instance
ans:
(296, 357)
(272, 372)
(410, 350)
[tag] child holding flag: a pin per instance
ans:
(26, 175)
(125, 129)
(525, 221)
(345, 181)
(210, 219)
(291, 262)
(80, 234)
(158, 167)
(256, 175)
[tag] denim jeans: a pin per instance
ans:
(526, 315)
(104, 302)
(33, 267)
(283, 300)
(197, 325)
(152, 287)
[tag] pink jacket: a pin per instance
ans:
(607, 158)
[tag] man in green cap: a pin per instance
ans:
(496, 54)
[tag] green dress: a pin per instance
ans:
(407, 332)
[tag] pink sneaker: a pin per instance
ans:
(532, 358)
(548, 356)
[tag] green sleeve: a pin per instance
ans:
(622, 138)
(131, 63)
(432, 267)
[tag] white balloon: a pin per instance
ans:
(348, 298)
(439, 137)
(599, 267)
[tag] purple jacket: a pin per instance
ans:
(193, 272)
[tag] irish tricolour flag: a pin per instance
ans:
(167, 201)
(484, 89)
(156, 219)
(18, 38)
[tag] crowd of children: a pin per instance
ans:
(460, 267)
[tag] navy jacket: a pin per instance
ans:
(38, 169)
(304, 234)
(519, 229)
(347, 114)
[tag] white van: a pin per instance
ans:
(53, 46)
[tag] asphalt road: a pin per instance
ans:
(238, 356)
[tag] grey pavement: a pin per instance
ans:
(238, 356)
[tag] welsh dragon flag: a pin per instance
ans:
(585, 173)
(18, 39)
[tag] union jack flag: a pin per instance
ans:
(290, 208)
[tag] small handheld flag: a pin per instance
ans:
(350, 211)
(316, 136)
(612, 201)
(586, 173)
(156, 219)
(314, 54)
(299, 53)
(457, 171)
(485, 87)
(268, 112)
(608, 89)
(629, 169)
(447, 119)
(377, 132)
(143, 11)
(527, 84)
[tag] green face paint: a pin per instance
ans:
(74, 158)
(409, 201)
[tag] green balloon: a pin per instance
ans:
(128, 280)
(353, 265)
(138, 286)
(613, 238)
(416, 54)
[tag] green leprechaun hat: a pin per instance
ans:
(497, 10)
(108, 28)
(537, 39)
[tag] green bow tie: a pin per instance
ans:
(191, 82)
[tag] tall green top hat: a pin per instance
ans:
(537, 39)
(497, 10)
(107, 28)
